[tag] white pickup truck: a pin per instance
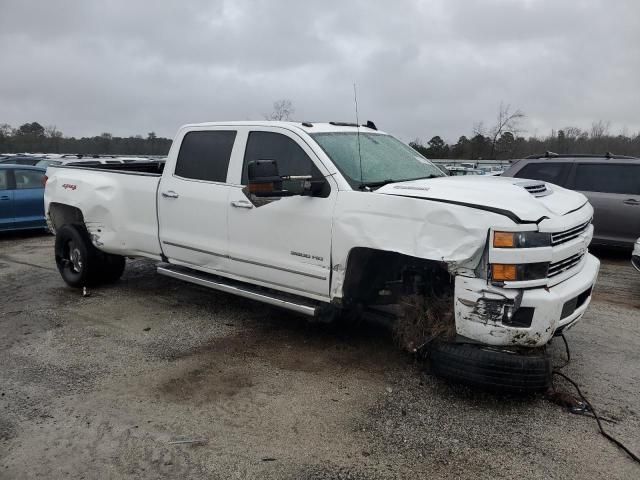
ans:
(324, 217)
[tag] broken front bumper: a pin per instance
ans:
(525, 317)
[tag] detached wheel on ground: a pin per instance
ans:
(80, 263)
(492, 368)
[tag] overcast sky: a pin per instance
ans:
(422, 68)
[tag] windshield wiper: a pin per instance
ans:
(382, 183)
(369, 185)
(433, 175)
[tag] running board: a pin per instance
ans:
(238, 288)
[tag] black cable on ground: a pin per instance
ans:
(566, 348)
(588, 404)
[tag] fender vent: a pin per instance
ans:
(537, 189)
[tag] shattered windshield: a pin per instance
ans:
(383, 158)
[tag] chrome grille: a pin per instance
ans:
(561, 237)
(556, 268)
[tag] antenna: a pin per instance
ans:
(355, 100)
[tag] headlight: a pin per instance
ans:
(521, 239)
(504, 272)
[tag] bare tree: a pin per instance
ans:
(282, 110)
(479, 129)
(573, 133)
(600, 129)
(507, 121)
(51, 131)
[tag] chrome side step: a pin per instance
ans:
(238, 288)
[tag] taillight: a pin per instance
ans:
(44, 180)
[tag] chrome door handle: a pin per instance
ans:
(241, 204)
(632, 201)
(170, 194)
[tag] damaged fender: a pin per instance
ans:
(453, 234)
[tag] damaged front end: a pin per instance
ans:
(507, 282)
(529, 286)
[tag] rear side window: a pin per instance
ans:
(546, 172)
(28, 179)
(4, 181)
(205, 155)
(292, 160)
(608, 178)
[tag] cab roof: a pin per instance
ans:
(308, 127)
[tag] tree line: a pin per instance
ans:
(34, 138)
(502, 140)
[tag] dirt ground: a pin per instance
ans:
(98, 387)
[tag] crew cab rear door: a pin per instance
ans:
(284, 243)
(193, 199)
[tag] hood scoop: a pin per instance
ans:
(537, 189)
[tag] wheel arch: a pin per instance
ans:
(60, 214)
(367, 267)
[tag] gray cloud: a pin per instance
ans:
(422, 68)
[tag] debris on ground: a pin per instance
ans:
(423, 319)
(189, 440)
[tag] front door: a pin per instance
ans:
(284, 243)
(193, 200)
(6, 201)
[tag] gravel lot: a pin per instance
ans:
(97, 387)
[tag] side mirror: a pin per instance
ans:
(266, 181)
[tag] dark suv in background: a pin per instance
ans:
(610, 182)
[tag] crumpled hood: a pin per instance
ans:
(505, 194)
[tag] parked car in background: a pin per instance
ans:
(21, 197)
(456, 171)
(79, 161)
(635, 257)
(493, 170)
(610, 182)
(21, 160)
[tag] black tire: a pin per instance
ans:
(492, 368)
(113, 267)
(78, 261)
(93, 268)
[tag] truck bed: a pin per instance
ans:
(117, 201)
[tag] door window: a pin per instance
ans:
(205, 155)
(291, 158)
(28, 179)
(4, 180)
(608, 178)
(546, 172)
